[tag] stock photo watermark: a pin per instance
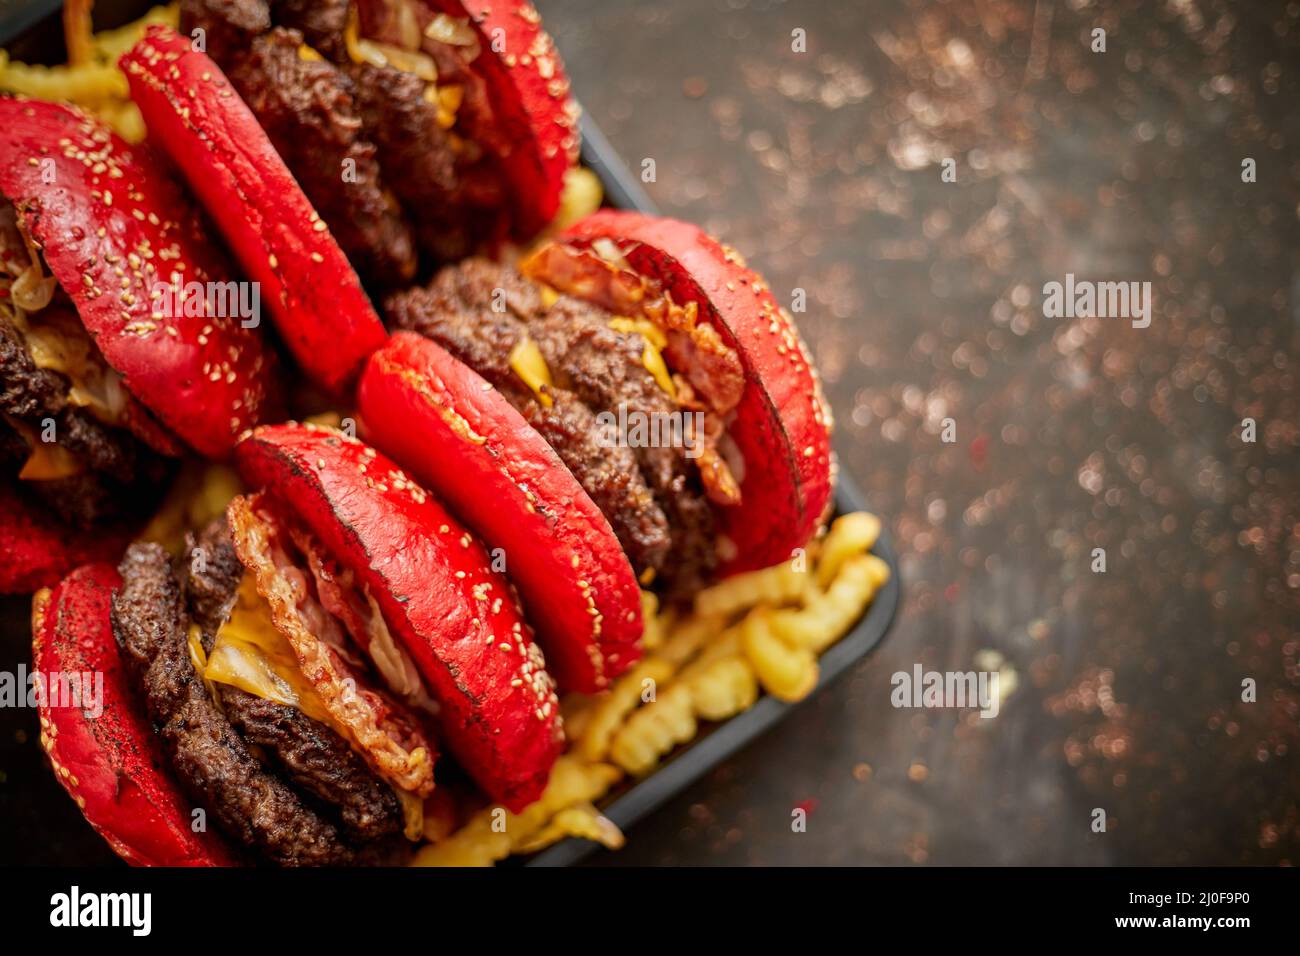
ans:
(1085, 299)
(632, 428)
(60, 690)
(196, 300)
(947, 690)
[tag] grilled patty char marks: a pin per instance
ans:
(604, 368)
(320, 114)
(313, 756)
(309, 111)
(416, 155)
(26, 391)
(228, 25)
(213, 762)
(598, 369)
(455, 311)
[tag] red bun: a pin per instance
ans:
(456, 617)
(782, 425)
(311, 290)
(111, 225)
(111, 765)
(535, 116)
(37, 549)
(459, 437)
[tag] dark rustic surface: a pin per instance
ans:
(925, 303)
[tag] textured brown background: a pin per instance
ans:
(925, 303)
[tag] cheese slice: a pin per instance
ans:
(527, 361)
(250, 653)
(652, 355)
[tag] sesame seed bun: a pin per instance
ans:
(456, 617)
(112, 226)
(463, 440)
(531, 103)
(112, 763)
(782, 425)
(312, 292)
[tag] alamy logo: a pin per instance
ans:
(632, 428)
(1082, 299)
(78, 690)
(946, 689)
(74, 908)
(196, 300)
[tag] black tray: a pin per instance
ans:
(39, 41)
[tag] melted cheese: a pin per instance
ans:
(652, 356)
(412, 813)
(250, 653)
(527, 361)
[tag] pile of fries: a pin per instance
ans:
(90, 79)
(762, 630)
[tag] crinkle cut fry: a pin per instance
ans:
(766, 630)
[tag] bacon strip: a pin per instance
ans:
(385, 733)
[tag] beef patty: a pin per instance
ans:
(358, 138)
(309, 111)
(312, 755)
(121, 473)
(332, 799)
(651, 496)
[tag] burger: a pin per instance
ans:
(421, 130)
(280, 693)
(123, 341)
(657, 367)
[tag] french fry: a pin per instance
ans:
(576, 711)
(723, 688)
(725, 644)
(85, 85)
(777, 585)
(91, 78)
(581, 196)
(494, 833)
(653, 634)
(829, 616)
(787, 673)
(654, 730)
(609, 710)
(111, 44)
(761, 629)
(583, 821)
(686, 639)
(850, 534)
(77, 31)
